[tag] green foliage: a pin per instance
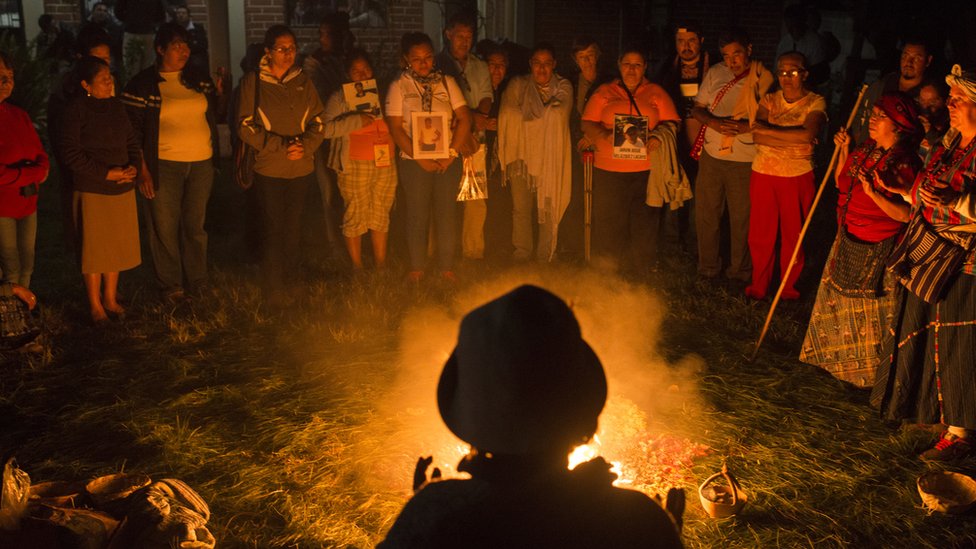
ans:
(33, 76)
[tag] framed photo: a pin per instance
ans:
(362, 13)
(430, 135)
(363, 96)
(629, 137)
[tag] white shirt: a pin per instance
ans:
(403, 98)
(718, 75)
(475, 73)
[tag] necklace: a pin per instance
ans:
(877, 154)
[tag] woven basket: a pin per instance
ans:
(114, 487)
(722, 501)
(947, 492)
(57, 494)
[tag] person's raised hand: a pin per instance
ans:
(936, 194)
(420, 472)
(842, 139)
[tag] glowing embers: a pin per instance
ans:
(646, 461)
(642, 460)
(586, 452)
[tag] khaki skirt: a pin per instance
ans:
(108, 231)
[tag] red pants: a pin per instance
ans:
(777, 203)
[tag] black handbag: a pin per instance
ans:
(245, 155)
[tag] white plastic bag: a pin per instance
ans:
(13, 496)
(474, 178)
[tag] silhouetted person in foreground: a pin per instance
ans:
(523, 388)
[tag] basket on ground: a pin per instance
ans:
(947, 492)
(114, 487)
(57, 493)
(719, 500)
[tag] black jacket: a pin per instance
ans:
(143, 102)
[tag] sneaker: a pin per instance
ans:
(949, 448)
(414, 277)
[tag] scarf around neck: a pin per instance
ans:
(426, 84)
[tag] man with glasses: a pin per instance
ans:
(781, 187)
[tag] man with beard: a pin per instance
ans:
(935, 114)
(681, 79)
(915, 59)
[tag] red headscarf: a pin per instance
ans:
(902, 110)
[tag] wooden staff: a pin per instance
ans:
(806, 223)
(587, 201)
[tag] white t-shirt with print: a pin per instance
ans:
(403, 99)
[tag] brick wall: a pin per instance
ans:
(762, 19)
(63, 10)
(382, 43)
(198, 10)
(555, 22)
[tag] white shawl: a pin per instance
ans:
(534, 141)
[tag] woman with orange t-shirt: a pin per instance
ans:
(625, 228)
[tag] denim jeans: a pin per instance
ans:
(177, 239)
(17, 238)
(424, 190)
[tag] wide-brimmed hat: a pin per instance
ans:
(521, 379)
(902, 110)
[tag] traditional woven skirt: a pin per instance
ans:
(108, 231)
(930, 376)
(845, 334)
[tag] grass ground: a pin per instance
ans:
(301, 429)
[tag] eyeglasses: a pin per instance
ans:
(878, 115)
(285, 50)
(790, 74)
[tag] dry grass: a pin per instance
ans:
(301, 430)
